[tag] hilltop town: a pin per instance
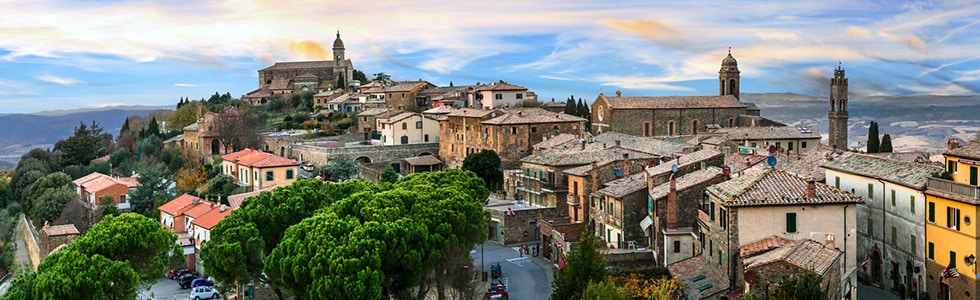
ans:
(323, 184)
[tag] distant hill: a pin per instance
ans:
(23, 132)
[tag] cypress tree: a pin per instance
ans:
(873, 141)
(570, 108)
(886, 144)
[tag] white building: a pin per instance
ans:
(408, 128)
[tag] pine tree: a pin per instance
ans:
(886, 144)
(570, 108)
(583, 111)
(873, 141)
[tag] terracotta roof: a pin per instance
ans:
(255, 158)
(88, 178)
(176, 138)
(556, 141)
(908, 174)
(737, 161)
(300, 65)
(621, 187)
(211, 218)
(192, 127)
(970, 150)
(553, 103)
(649, 145)
(670, 102)
(531, 115)
(909, 156)
(57, 230)
(763, 245)
(235, 155)
(424, 160)
(174, 207)
(685, 182)
(199, 210)
(261, 92)
(566, 157)
(439, 110)
(806, 254)
(398, 117)
(770, 133)
(695, 157)
(97, 181)
(500, 86)
(808, 164)
(471, 113)
(397, 87)
(235, 201)
(281, 84)
(696, 268)
(104, 158)
(762, 186)
(372, 112)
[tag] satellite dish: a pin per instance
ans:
(771, 161)
(726, 170)
(673, 168)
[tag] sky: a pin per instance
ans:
(85, 54)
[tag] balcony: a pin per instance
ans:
(951, 187)
(574, 200)
(704, 219)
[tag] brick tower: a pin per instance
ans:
(838, 110)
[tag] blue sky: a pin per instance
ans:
(81, 54)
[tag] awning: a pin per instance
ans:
(645, 223)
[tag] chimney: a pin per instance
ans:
(619, 93)
(583, 144)
(952, 144)
(519, 113)
(626, 164)
(811, 188)
(748, 163)
(617, 143)
(594, 174)
(672, 204)
(829, 240)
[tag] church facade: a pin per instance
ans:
(678, 115)
(285, 78)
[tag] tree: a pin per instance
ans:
(486, 165)
(48, 197)
(886, 144)
(235, 252)
(389, 175)
(153, 128)
(185, 115)
(801, 286)
(86, 144)
(873, 142)
(153, 185)
(583, 111)
(70, 274)
(358, 75)
(570, 107)
(382, 78)
(140, 241)
(583, 265)
(338, 170)
(605, 290)
(236, 128)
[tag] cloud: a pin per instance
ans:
(641, 83)
(857, 33)
(649, 29)
(58, 80)
(940, 90)
(777, 36)
(309, 49)
(912, 41)
(185, 85)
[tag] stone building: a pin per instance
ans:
(766, 202)
(408, 128)
(285, 78)
(838, 110)
(671, 228)
(500, 94)
(891, 224)
(401, 95)
(367, 121)
(676, 115)
(624, 205)
(509, 132)
(52, 237)
(765, 269)
(787, 139)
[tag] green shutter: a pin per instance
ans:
(932, 251)
(952, 258)
(791, 222)
(712, 211)
(932, 212)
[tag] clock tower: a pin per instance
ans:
(338, 50)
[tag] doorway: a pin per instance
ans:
(876, 268)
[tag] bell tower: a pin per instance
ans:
(728, 81)
(338, 50)
(838, 110)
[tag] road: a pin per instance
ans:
(527, 277)
(22, 259)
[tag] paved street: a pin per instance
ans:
(526, 277)
(165, 288)
(873, 293)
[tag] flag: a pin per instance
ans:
(867, 260)
(537, 223)
(510, 212)
(949, 272)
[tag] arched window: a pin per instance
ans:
(404, 126)
(731, 87)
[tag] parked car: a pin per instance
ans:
(495, 271)
(186, 280)
(201, 282)
(176, 272)
(204, 292)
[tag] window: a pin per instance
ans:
(608, 235)
(122, 198)
(677, 246)
(912, 204)
(731, 122)
(519, 96)
(932, 251)
(790, 222)
(498, 96)
(418, 125)
(425, 138)
(753, 145)
(534, 129)
(894, 236)
(912, 242)
(404, 126)
(893, 198)
(694, 126)
(670, 128)
(646, 128)
(871, 191)
(953, 218)
(256, 175)
(269, 176)
(837, 182)
(803, 144)
(611, 211)
(701, 237)
(871, 225)
(724, 217)
(790, 145)
(711, 247)
(649, 200)
(513, 130)
(779, 145)
(719, 257)
(952, 258)
(950, 166)
(289, 174)
(932, 212)
(712, 211)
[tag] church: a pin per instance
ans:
(285, 78)
(678, 115)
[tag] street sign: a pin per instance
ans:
(772, 149)
(726, 170)
(771, 161)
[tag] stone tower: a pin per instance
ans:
(728, 76)
(838, 110)
(338, 50)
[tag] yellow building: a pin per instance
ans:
(258, 170)
(951, 236)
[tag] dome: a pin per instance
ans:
(728, 61)
(340, 44)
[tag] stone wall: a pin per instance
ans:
(30, 238)
(371, 153)
(631, 121)
(630, 259)
(523, 220)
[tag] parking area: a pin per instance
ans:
(165, 288)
